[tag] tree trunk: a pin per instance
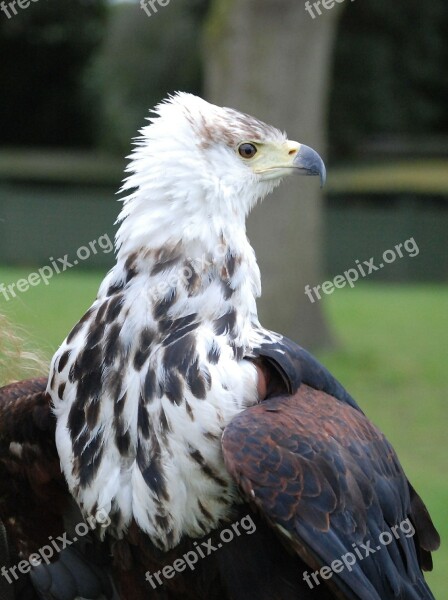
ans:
(269, 58)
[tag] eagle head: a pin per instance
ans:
(198, 169)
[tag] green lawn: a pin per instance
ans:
(393, 347)
(391, 355)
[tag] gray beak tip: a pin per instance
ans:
(309, 162)
(323, 175)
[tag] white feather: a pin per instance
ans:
(187, 189)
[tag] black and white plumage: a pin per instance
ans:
(177, 413)
(146, 382)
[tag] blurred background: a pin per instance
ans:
(364, 83)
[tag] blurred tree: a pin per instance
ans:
(274, 62)
(44, 50)
(141, 60)
(389, 73)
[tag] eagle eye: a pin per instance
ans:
(247, 150)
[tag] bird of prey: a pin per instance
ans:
(224, 461)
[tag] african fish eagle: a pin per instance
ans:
(175, 415)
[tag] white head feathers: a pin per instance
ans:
(187, 179)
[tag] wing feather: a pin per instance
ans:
(328, 481)
(35, 505)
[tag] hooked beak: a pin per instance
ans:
(308, 162)
(290, 158)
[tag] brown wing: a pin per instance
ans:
(330, 484)
(32, 490)
(35, 505)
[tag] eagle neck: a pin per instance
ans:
(209, 275)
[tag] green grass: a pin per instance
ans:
(392, 358)
(391, 355)
(47, 312)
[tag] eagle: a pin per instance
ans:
(194, 453)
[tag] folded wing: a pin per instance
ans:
(332, 487)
